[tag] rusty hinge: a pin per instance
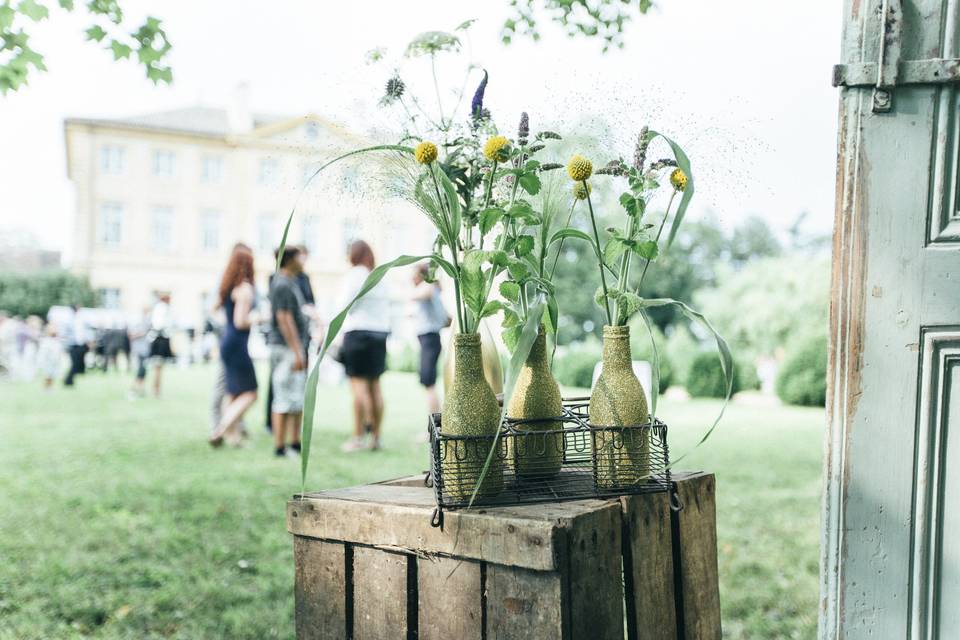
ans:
(889, 71)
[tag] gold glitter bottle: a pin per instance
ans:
(470, 408)
(621, 456)
(536, 396)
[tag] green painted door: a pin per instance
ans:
(890, 564)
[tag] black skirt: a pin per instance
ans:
(429, 354)
(160, 348)
(364, 354)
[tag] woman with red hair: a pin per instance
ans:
(236, 297)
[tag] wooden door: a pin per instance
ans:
(890, 566)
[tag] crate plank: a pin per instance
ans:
(522, 603)
(449, 599)
(319, 593)
(648, 566)
(399, 516)
(415, 480)
(593, 573)
(697, 538)
(379, 594)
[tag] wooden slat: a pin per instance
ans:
(319, 596)
(406, 481)
(400, 516)
(696, 534)
(648, 561)
(379, 594)
(525, 604)
(594, 573)
(450, 599)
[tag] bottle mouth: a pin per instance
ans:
(616, 331)
(466, 339)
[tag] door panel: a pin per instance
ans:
(891, 512)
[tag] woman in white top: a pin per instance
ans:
(364, 349)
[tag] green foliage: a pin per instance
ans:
(769, 302)
(25, 294)
(18, 58)
(603, 19)
(706, 380)
(681, 349)
(573, 367)
(802, 378)
(640, 349)
(405, 359)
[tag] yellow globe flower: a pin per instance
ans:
(678, 179)
(579, 168)
(581, 193)
(497, 149)
(425, 152)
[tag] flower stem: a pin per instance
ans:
(659, 231)
(453, 249)
(625, 260)
(596, 239)
(556, 257)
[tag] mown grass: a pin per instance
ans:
(118, 521)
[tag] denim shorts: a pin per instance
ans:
(288, 385)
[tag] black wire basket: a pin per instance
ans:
(562, 458)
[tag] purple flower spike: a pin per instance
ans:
(476, 105)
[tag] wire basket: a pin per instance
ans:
(562, 458)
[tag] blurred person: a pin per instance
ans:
(237, 296)
(159, 338)
(364, 348)
(140, 351)
(289, 333)
(308, 308)
(48, 355)
(76, 339)
(430, 317)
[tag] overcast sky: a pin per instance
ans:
(744, 85)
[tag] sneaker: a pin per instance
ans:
(291, 453)
(353, 444)
(281, 452)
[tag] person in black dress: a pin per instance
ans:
(236, 296)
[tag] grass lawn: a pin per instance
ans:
(118, 521)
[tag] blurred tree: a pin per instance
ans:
(18, 59)
(24, 294)
(602, 19)
(752, 239)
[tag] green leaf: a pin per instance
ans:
(473, 282)
(95, 33)
(631, 203)
(310, 395)
(489, 219)
(444, 264)
(614, 248)
(648, 250)
(530, 182)
(553, 314)
(511, 336)
(523, 212)
(570, 232)
(655, 366)
(33, 10)
(723, 351)
(510, 290)
(510, 318)
(524, 245)
(6, 16)
(684, 163)
(66, 4)
(492, 307)
(518, 270)
(120, 50)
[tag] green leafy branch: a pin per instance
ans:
(18, 58)
(603, 19)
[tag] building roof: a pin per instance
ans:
(203, 121)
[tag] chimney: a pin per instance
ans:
(239, 117)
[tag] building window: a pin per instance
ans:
(164, 163)
(111, 159)
(109, 298)
(269, 171)
(211, 169)
(161, 228)
(110, 231)
(210, 230)
(267, 232)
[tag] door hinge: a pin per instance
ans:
(889, 71)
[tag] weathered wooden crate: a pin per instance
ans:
(370, 566)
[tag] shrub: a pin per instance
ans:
(802, 378)
(705, 378)
(747, 371)
(25, 294)
(574, 367)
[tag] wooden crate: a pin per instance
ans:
(369, 566)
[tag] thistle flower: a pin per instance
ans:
(395, 88)
(523, 131)
(581, 193)
(678, 179)
(497, 149)
(476, 105)
(579, 168)
(425, 152)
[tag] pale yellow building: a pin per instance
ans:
(162, 198)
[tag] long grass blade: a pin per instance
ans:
(310, 397)
(655, 374)
(684, 163)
